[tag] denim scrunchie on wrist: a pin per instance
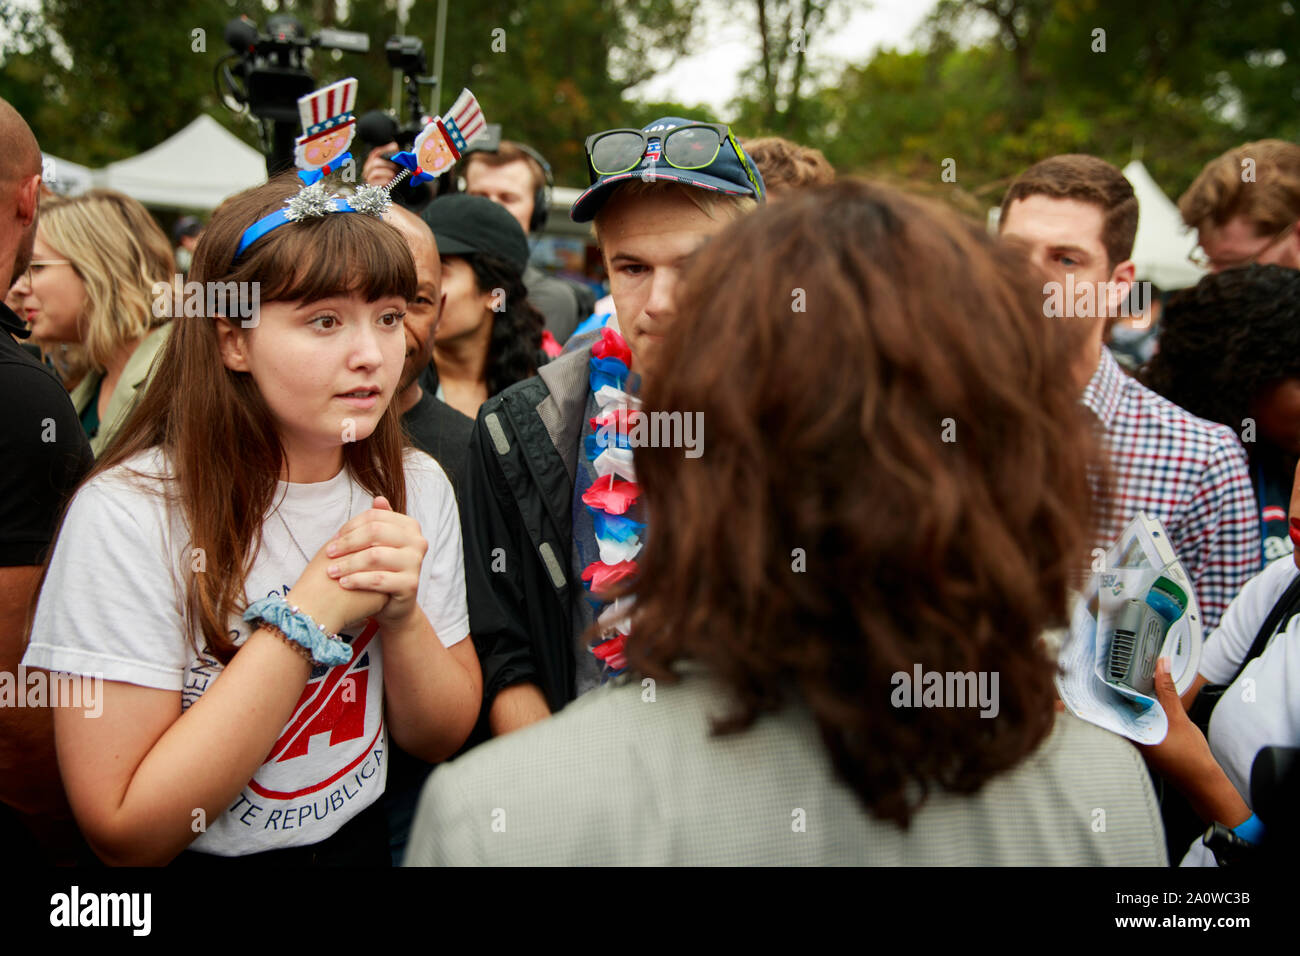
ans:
(325, 648)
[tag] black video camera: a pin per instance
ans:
(379, 127)
(266, 73)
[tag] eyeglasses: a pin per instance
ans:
(36, 265)
(1199, 257)
(693, 146)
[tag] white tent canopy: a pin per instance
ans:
(65, 177)
(195, 169)
(1163, 241)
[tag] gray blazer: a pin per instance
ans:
(620, 778)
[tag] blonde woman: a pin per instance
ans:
(94, 265)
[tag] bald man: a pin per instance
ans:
(435, 427)
(441, 432)
(45, 455)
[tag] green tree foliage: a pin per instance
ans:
(1174, 81)
(993, 84)
(100, 80)
(780, 94)
(564, 67)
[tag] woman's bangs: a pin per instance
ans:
(336, 255)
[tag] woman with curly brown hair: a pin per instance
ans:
(840, 607)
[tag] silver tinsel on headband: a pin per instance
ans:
(311, 201)
(371, 200)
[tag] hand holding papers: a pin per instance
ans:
(1138, 605)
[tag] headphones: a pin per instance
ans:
(542, 197)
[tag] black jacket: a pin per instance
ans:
(516, 517)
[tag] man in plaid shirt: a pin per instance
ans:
(1077, 217)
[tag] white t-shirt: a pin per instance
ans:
(112, 605)
(1256, 711)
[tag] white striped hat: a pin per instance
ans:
(464, 121)
(326, 108)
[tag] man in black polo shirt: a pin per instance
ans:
(443, 433)
(45, 454)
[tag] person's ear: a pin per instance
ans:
(1293, 260)
(1121, 284)
(233, 344)
(28, 199)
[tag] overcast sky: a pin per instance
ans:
(728, 43)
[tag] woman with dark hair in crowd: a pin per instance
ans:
(489, 336)
(1230, 353)
(1253, 661)
(838, 630)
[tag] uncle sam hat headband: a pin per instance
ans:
(328, 129)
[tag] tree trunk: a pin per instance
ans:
(769, 86)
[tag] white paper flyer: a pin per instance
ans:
(1138, 605)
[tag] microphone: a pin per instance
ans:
(241, 34)
(377, 128)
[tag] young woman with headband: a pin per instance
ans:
(266, 580)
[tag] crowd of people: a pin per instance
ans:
(440, 561)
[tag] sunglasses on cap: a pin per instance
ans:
(692, 146)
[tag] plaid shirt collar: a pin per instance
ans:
(1105, 389)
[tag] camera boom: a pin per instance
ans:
(269, 74)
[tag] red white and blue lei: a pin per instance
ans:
(613, 495)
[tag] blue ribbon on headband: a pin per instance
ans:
(409, 161)
(278, 218)
(310, 176)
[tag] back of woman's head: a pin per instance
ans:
(894, 473)
(213, 423)
(1227, 339)
(516, 327)
(119, 252)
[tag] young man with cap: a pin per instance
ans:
(489, 336)
(518, 178)
(539, 511)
